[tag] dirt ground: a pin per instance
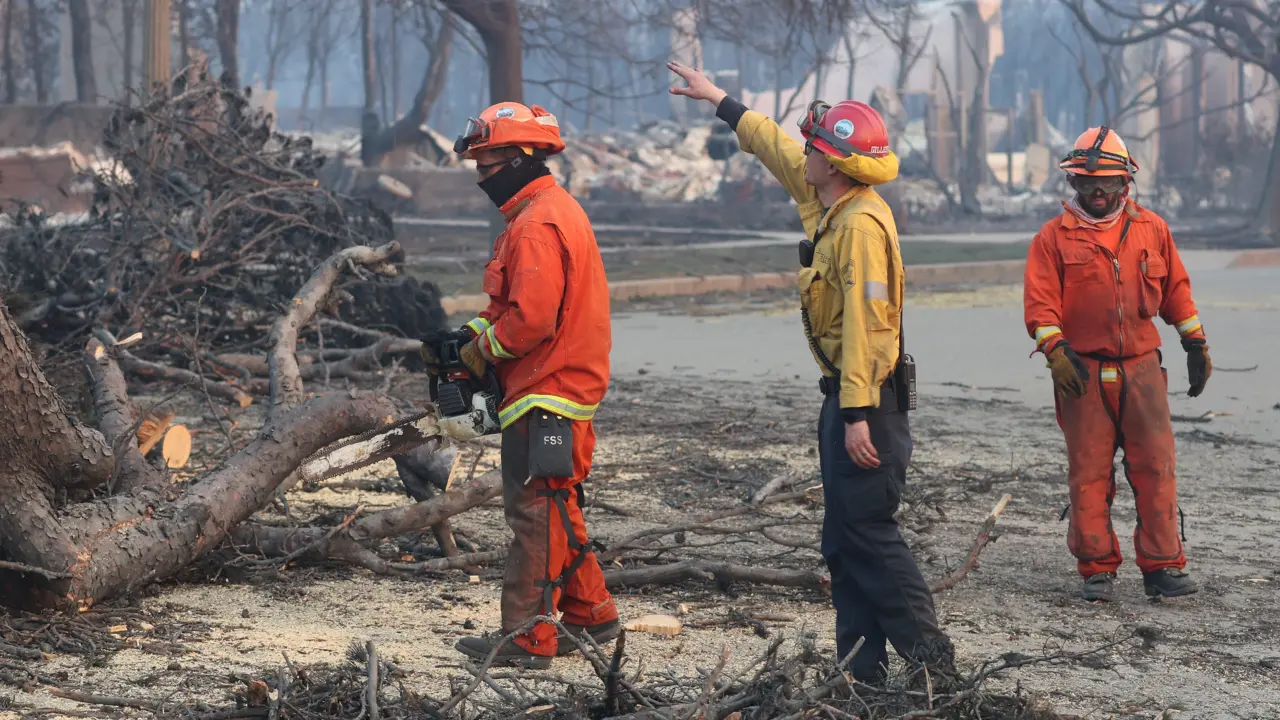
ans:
(1212, 655)
(454, 258)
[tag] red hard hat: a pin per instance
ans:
(844, 129)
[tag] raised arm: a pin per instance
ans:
(757, 133)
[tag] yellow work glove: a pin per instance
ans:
(1199, 366)
(474, 358)
(1069, 372)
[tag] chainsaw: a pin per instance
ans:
(468, 405)
(463, 408)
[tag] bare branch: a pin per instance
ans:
(285, 378)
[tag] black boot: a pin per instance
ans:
(509, 655)
(601, 633)
(1099, 588)
(1168, 582)
(939, 656)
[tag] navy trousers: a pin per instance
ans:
(876, 585)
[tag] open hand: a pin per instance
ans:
(857, 442)
(698, 86)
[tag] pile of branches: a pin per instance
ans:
(790, 680)
(203, 223)
(797, 683)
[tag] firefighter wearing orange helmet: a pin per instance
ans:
(1097, 276)
(546, 333)
(851, 285)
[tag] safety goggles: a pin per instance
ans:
(1095, 158)
(475, 131)
(1088, 184)
(811, 126)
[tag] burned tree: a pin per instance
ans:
(227, 30)
(901, 27)
(322, 35)
(1248, 32)
(498, 23)
(280, 37)
(437, 33)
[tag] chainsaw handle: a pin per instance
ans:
(491, 379)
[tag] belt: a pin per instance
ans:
(1108, 358)
(830, 384)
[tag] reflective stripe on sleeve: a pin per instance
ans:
(496, 347)
(551, 403)
(479, 325)
(1045, 332)
(873, 290)
(1189, 325)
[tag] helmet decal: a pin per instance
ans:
(843, 129)
(506, 112)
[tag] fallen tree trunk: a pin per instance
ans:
(720, 573)
(82, 552)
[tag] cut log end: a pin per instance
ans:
(151, 431)
(394, 187)
(177, 447)
(656, 624)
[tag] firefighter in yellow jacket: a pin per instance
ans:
(851, 291)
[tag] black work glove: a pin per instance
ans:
(1199, 366)
(1069, 372)
(431, 347)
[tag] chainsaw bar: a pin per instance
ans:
(370, 447)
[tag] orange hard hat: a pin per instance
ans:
(510, 124)
(1099, 152)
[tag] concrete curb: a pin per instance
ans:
(1256, 258)
(1003, 272)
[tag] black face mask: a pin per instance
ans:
(511, 179)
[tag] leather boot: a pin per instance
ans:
(509, 655)
(601, 633)
(1099, 588)
(1168, 582)
(939, 656)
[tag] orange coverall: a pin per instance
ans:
(548, 326)
(1100, 289)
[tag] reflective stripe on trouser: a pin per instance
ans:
(876, 585)
(563, 407)
(540, 549)
(1126, 406)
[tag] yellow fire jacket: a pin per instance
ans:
(853, 292)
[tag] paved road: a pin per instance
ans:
(961, 350)
(730, 238)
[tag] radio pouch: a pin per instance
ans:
(904, 374)
(904, 383)
(550, 445)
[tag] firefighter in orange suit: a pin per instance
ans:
(1097, 276)
(546, 332)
